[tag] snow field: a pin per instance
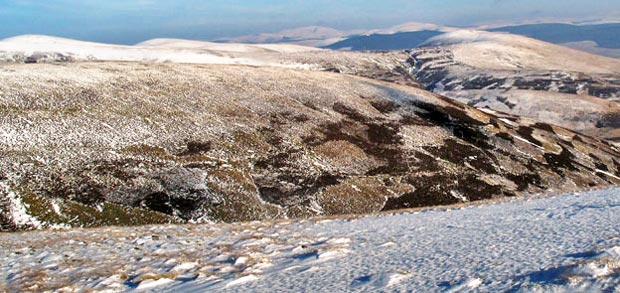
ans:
(562, 243)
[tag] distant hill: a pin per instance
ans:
(605, 35)
(525, 77)
(377, 42)
(601, 39)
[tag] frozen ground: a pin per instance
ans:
(563, 243)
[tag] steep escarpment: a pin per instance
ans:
(81, 142)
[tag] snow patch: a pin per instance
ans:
(17, 209)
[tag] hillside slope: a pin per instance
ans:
(599, 38)
(553, 244)
(389, 66)
(522, 76)
(185, 142)
(497, 51)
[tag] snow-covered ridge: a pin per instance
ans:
(410, 27)
(35, 47)
(464, 37)
(224, 47)
(308, 35)
(501, 51)
(325, 36)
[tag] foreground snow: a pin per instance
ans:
(569, 242)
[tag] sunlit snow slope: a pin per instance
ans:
(496, 51)
(567, 242)
(39, 47)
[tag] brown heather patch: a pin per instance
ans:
(359, 195)
(240, 197)
(341, 153)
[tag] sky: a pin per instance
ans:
(129, 22)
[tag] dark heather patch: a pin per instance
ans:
(272, 191)
(506, 136)
(611, 120)
(311, 105)
(279, 160)
(437, 190)
(599, 163)
(563, 160)
(196, 148)
(459, 154)
(414, 120)
(377, 138)
(544, 126)
(162, 202)
(332, 69)
(158, 201)
(351, 113)
(526, 133)
(301, 118)
(505, 101)
(385, 106)
(456, 120)
(524, 181)
(270, 136)
(384, 133)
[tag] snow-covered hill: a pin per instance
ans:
(34, 48)
(568, 243)
(497, 51)
(523, 76)
(224, 47)
(317, 36)
(308, 35)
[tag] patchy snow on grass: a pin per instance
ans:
(16, 208)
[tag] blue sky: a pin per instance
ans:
(127, 21)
